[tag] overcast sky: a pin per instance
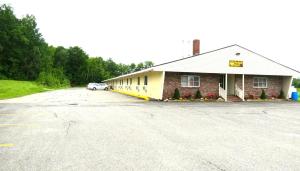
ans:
(136, 30)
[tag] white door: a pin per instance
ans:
(230, 84)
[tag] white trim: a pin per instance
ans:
(188, 80)
(291, 83)
(226, 86)
(258, 82)
(243, 86)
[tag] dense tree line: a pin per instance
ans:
(24, 55)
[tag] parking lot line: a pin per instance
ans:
(7, 145)
(18, 125)
(1, 114)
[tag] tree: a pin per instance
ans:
(60, 57)
(112, 68)
(8, 28)
(132, 67)
(21, 46)
(24, 55)
(47, 58)
(123, 69)
(139, 66)
(148, 64)
(31, 47)
(96, 70)
(76, 65)
(296, 83)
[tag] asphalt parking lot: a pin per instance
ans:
(77, 129)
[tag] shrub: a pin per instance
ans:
(198, 95)
(211, 96)
(251, 96)
(176, 94)
(3, 77)
(263, 94)
(54, 78)
(281, 95)
(187, 96)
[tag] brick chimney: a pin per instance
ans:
(196, 47)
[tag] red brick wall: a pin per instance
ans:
(274, 85)
(209, 83)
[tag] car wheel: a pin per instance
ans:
(94, 88)
(105, 88)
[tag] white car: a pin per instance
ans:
(97, 86)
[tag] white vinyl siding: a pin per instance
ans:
(260, 82)
(190, 81)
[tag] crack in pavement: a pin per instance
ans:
(69, 123)
(215, 165)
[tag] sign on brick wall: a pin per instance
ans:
(235, 63)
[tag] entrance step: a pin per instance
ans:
(234, 99)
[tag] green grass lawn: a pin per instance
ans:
(11, 88)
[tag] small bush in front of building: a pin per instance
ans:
(176, 94)
(281, 95)
(263, 95)
(211, 96)
(274, 96)
(187, 96)
(198, 95)
(251, 96)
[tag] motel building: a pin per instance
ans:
(232, 73)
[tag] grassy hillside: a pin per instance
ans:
(11, 88)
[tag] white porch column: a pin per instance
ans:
(286, 84)
(226, 87)
(243, 86)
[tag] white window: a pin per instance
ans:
(146, 80)
(190, 81)
(260, 82)
(138, 81)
